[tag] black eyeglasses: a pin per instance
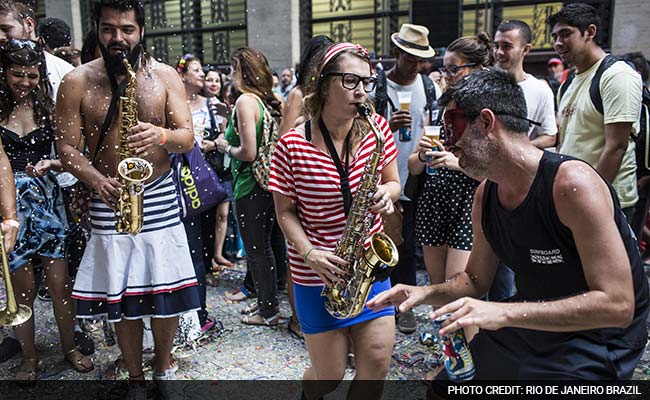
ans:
(453, 69)
(351, 81)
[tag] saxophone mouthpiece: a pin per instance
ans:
(364, 110)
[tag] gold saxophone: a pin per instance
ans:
(132, 171)
(347, 299)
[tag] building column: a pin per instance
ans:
(630, 28)
(70, 12)
(274, 29)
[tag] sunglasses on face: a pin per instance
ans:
(18, 44)
(452, 70)
(456, 120)
(351, 81)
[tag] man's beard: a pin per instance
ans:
(114, 59)
(478, 152)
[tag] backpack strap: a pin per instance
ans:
(564, 86)
(594, 88)
(381, 95)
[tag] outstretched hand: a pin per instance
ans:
(404, 297)
(468, 311)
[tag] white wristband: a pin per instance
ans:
(228, 148)
(12, 222)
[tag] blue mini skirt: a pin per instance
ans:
(314, 318)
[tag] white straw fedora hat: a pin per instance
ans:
(413, 39)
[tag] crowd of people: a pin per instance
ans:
(520, 210)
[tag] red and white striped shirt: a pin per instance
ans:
(308, 176)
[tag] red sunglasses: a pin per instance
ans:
(455, 122)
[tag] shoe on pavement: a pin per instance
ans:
(406, 322)
(208, 325)
(9, 348)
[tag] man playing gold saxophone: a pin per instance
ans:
(122, 275)
(312, 166)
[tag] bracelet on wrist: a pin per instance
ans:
(304, 258)
(420, 158)
(163, 139)
(11, 222)
(228, 149)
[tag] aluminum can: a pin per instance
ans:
(458, 358)
(405, 134)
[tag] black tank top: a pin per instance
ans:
(27, 149)
(541, 251)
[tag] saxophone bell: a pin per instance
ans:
(133, 172)
(13, 314)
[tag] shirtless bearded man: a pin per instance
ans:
(149, 274)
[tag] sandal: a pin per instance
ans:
(250, 309)
(295, 329)
(77, 363)
(258, 320)
(28, 370)
(240, 294)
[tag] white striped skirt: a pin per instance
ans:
(146, 275)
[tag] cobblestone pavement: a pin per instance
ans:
(240, 351)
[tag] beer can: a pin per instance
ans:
(458, 358)
(405, 134)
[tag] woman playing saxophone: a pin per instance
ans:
(313, 165)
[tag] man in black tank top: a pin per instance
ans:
(583, 296)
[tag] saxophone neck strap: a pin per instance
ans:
(117, 90)
(343, 172)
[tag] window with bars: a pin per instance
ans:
(209, 29)
(486, 15)
(367, 22)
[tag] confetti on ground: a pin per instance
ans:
(239, 351)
